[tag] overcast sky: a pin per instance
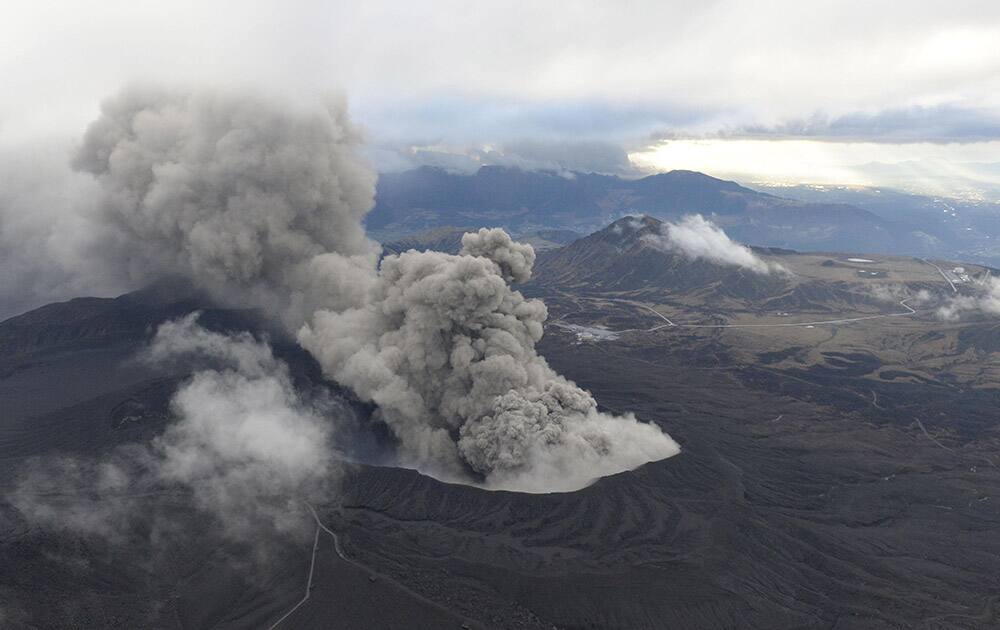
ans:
(783, 89)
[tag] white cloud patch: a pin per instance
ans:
(987, 301)
(697, 238)
(246, 445)
(889, 292)
(250, 448)
(894, 293)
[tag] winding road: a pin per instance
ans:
(309, 583)
(320, 527)
(338, 548)
(846, 320)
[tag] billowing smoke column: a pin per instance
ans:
(261, 203)
(257, 201)
(445, 346)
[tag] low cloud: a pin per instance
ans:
(559, 156)
(697, 238)
(939, 124)
(895, 293)
(987, 301)
(243, 442)
(87, 496)
(566, 156)
(246, 443)
(946, 307)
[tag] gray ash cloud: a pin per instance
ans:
(260, 202)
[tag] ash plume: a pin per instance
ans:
(445, 346)
(260, 203)
(256, 200)
(696, 237)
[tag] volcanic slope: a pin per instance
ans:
(838, 469)
(622, 262)
(72, 390)
(838, 475)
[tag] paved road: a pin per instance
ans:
(657, 313)
(943, 275)
(322, 528)
(844, 320)
(309, 583)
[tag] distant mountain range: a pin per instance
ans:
(526, 201)
(960, 229)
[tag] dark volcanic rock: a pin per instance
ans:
(805, 496)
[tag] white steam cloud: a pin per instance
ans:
(261, 204)
(895, 293)
(243, 442)
(699, 239)
(243, 435)
(988, 301)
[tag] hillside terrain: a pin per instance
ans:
(838, 466)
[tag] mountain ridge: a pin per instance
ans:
(523, 201)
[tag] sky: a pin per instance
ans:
(826, 92)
